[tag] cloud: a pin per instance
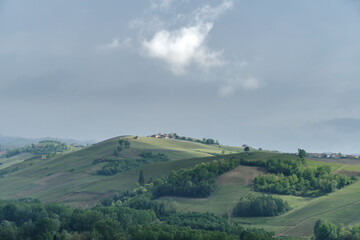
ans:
(161, 4)
(231, 86)
(116, 44)
(181, 44)
(208, 13)
(182, 47)
(186, 45)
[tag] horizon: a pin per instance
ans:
(93, 141)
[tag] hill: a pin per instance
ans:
(7, 142)
(340, 207)
(73, 178)
(45, 149)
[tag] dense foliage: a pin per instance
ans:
(171, 232)
(208, 141)
(324, 230)
(309, 182)
(133, 219)
(31, 219)
(255, 206)
(115, 165)
(292, 177)
(43, 148)
(194, 182)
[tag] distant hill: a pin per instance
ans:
(14, 142)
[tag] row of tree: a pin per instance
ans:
(135, 218)
(208, 141)
(291, 176)
(324, 230)
(115, 165)
(306, 182)
(43, 148)
(198, 181)
(173, 232)
(264, 205)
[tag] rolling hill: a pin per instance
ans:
(73, 178)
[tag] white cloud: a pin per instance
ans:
(182, 47)
(182, 43)
(231, 86)
(115, 44)
(187, 45)
(208, 13)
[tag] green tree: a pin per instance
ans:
(301, 153)
(141, 178)
(246, 149)
(126, 143)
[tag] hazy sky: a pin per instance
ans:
(279, 74)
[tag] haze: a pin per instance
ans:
(277, 74)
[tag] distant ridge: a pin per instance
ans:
(13, 142)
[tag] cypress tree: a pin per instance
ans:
(141, 178)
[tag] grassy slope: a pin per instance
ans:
(19, 158)
(7, 162)
(70, 177)
(341, 206)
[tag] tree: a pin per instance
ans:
(301, 153)
(246, 149)
(141, 178)
(126, 143)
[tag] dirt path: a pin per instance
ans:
(339, 169)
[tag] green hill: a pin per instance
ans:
(72, 178)
(340, 207)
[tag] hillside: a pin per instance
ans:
(72, 178)
(44, 149)
(340, 207)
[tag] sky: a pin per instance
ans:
(279, 75)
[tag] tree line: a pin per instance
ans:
(292, 177)
(198, 181)
(133, 218)
(115, 165)
(286, 176)
(43, 148)
(208, 141)
(324, 230)
(256, 206)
